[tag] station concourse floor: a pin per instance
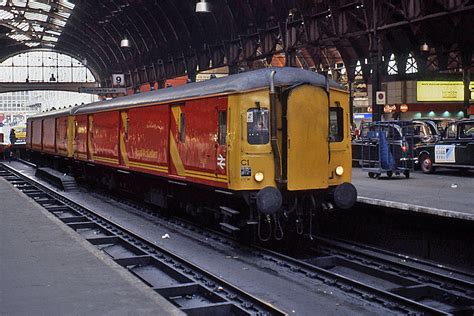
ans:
(48, 269)
(447, 192)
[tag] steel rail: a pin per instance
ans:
(224, 297)
(400, 304)
(346, 249)
(364, 291)
(447, 268)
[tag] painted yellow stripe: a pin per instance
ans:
(205, 174)
(148, 166)
(123, 149)
(106, 159)
(174, 153)
(208, 178)
(70, 135)
(89, 136)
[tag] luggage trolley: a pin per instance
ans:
(388, 148)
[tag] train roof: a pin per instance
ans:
(246, 81)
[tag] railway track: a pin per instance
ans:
(194, 290)
(383, 280)
(397, 283)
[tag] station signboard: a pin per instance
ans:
(118, 80)
(362, 116)
(381, 98)
(102, 90)
(439, 91)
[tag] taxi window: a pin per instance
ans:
(393, 133)
(419, 130)
(451, 131)
(258, 121)
(466, 130)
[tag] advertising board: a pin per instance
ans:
(439, 91)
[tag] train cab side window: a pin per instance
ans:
(258, 126)
(222, 127)
(336, 125)
(182, 127)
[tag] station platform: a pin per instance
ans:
(444, 193)
(47, 269)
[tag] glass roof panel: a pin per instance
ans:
(36, 16)
(30, 19)
(19, 3)
(32, 44)
(5, 15)
(53, 32)
(38, 5)
(58, 22)
(50, 38)
(38, 28)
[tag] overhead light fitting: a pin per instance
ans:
(125, 43)
(424, 47)
(203, 7)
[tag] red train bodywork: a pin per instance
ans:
(80, 137)
(195, 148)
(103, 137)
(28, 134)
(61, 135)
(174, 140)
(37, 135)
(49, 135)
(144, 139)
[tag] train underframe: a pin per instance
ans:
(239, 213)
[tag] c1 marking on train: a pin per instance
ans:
(221, 161)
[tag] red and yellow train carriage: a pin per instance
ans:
(257, 143)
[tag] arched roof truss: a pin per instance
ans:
(168, 38)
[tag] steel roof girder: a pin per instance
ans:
(93, 40)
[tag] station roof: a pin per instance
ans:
(34, 23)
(168, 38)
(246, 81)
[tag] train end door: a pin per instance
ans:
(307, 140)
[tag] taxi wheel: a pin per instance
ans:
(389, 174)
(371, 174)
(426, 164)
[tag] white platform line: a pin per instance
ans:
(416, 208)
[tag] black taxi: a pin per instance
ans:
(454, 150)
